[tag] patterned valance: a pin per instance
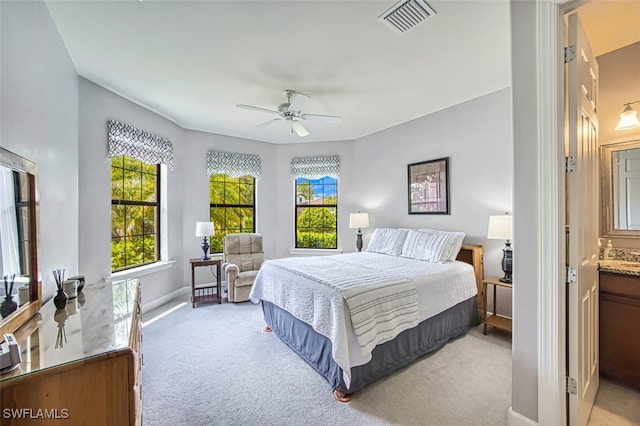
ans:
(138, 144)
(315, 167)
(234, 165)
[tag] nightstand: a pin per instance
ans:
(494, 320)
(206, 292)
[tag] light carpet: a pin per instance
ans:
(212, 365)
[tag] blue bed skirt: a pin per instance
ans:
(426, 337)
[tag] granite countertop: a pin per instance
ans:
(623, 261)
(626, 267)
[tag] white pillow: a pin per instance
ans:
(432, 245)
(387, 241)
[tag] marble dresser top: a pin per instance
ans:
(98, 321)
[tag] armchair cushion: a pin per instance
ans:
(244, 250)
(243, 256)
(246, 278)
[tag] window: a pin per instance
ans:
(135, 209)
(136, 160)
(316, 213)
(232, 193)
(232, 206)
(316, 195)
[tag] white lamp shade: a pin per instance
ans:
(359, 220)
(500, 227)
(628, 119)
(204, 229)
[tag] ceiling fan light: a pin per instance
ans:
(628, 119)
(299, 129)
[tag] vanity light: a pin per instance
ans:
(628, 117)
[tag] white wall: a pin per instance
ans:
(39, 121)
(477, 138)
(285, 192)
(374, 179)
(526, 324)
(39, 86)
(619, 73)
(97, 106)
(196, 189)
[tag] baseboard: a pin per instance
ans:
(146, 307)
(517, 419)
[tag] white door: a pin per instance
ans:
(582, 221)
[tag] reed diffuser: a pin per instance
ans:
(9, 305)
(60, 299)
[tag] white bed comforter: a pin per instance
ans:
(381, 295)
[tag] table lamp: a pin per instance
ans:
(501, 228)
(359, 220)
(204, 229)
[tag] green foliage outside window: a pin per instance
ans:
(316, 213)
(232, 207)
(134, 213)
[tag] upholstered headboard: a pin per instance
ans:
(472, 254)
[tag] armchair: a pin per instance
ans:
(243, 256)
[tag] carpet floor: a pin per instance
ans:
(212, 365)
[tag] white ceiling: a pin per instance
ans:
(193, 61)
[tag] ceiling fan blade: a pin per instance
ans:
(299, 129)
(298, 100)
(254, 108)
(319, 117)
(268, 122)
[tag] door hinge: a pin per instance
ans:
(570, 164)
(572, 385)
(572, 275)
(569, 53)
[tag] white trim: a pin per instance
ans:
(517, 419)
(314, 252)
(551, 291)
(164, 216)
(141, 270)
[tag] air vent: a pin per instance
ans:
(406, 14)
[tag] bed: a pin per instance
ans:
(357, 317)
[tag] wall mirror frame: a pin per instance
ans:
(610, 178)
(27, 174)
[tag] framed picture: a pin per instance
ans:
(429, 187)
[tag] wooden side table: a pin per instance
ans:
(205, 292)
(494, 320)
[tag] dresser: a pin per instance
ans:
(81, 365)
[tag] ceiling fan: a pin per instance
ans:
(291, 111)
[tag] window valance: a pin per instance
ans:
(234, 165)
(138, 144)
(315, 167)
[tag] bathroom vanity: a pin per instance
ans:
(620, 320)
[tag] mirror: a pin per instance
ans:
(620, 173)
(19, 236)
